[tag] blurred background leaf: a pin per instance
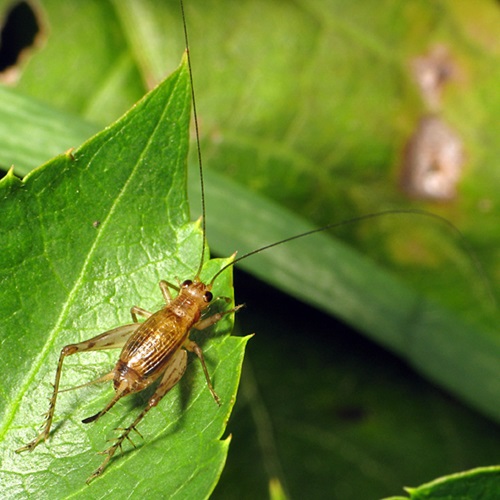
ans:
(311, 105)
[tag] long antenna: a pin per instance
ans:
(197, 132)
(409, 211)
(472, 256)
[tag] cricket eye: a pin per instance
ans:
(186, 284)
(208, 296)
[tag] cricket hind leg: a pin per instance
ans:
(111, 339)
(173, 373)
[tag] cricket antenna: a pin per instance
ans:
(197, 132)
(410, 211)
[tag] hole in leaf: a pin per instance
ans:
(18, 34)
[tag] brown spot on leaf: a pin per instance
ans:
(431, 72)
(433, 161)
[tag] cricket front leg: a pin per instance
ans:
(108, 340)
(173, 373)
(214, 318)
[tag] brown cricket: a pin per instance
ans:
(152, 350)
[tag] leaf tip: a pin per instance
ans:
(10, 179)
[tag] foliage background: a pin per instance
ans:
(310, 104)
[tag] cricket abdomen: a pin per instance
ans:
(151, 347)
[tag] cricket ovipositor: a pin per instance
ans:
(174, 365)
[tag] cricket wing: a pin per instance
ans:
(151, 348)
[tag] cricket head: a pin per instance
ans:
(198, 292)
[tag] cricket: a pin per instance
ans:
(156, 349)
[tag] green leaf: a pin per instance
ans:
(481, 483)
(85, 237)
(312, 107)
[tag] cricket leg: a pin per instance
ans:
(103, 378)
(194, 347)
(136, 310)
(120, 392)
(211, 320)
(173, 373)
(108, 340)
(165, 286)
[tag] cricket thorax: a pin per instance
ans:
(194, 296)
